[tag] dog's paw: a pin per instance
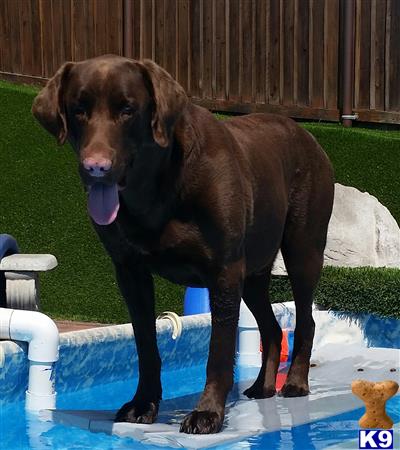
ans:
(137, 411)
(202, 422)
(294, 390)
(260, 391)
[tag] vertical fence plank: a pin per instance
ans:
(288, 51)
(220, 49)
(357, 50)
(260, 50)
(61, 21)
(253, 50)
(373, 56)
(195, 47)
(80, 37)
(387, 52)
(35, 34)
(233, 44)
(207, 49)
(363, 49)
(90, 24)
(184, 63)
(295, 52)
(170, 37)
(159, 32)
(24, 10)
(115, 27)
(46, 18)
(15, 41)
(303, 51)
(4, 38)
(274, 52)
(247, 37)
(331, 53)
(100, 31)
(146, 29)
(378, 61)
(394, 57)
(317, 17)
(136, 29)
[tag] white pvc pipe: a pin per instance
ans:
(41, 334)
(248, 340)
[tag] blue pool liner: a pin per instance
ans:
(103, 355)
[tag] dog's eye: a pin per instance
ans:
(79, 111)
(127, 111)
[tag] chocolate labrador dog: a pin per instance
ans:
(175, 192)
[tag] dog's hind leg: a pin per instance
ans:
(304, 274)
(255, 295)
(302, 249)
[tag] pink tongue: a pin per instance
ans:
(103, 203)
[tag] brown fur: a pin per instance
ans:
(203, 203)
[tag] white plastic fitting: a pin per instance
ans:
(248, 341)
(41, 334)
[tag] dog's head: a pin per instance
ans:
(115, 112)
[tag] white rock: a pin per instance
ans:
(361, 232)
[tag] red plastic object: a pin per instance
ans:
(280, 380)
(286, 345)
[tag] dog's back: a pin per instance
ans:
(287, 167)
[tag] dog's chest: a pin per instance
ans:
(179, 253)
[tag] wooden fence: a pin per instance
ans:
(377, 60)
(230, 55)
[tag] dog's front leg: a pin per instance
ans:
(137, 288)
(225, 294)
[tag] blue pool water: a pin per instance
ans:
(181, 389)
(20, 430)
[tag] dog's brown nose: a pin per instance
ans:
(97, 166)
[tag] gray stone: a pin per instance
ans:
(362, 232)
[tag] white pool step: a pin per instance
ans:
(330, 380)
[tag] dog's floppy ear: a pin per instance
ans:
(170, 99)
(48, 107)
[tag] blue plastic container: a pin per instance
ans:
(197, 301)
(8, 245)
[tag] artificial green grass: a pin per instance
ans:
(361, 289)
(43, 206)
(366, 159)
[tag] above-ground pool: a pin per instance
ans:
(95, 376)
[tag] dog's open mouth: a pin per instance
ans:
(103, 203)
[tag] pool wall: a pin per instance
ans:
(108, 354)
(103, 355)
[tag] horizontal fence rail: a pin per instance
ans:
(280, 56)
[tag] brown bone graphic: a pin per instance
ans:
(375, 395)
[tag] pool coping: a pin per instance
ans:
(65, 326)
